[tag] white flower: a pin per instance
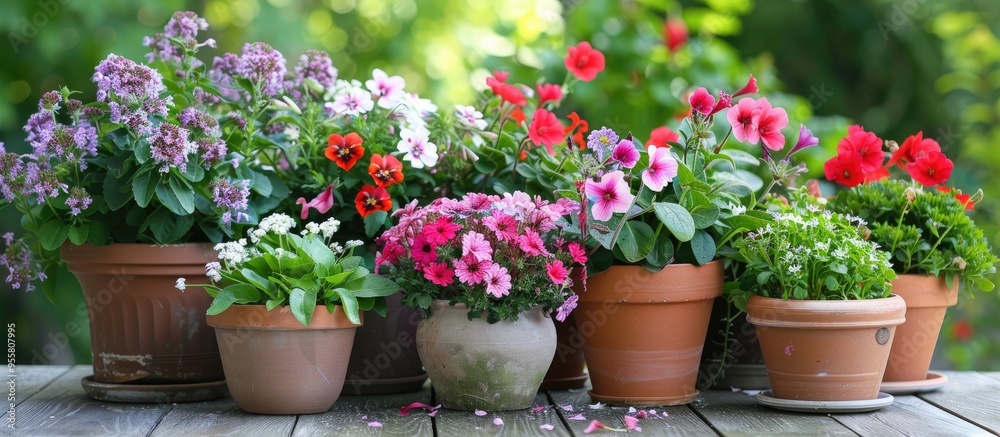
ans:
(256, 234)
(329, 227)
(353, 243)
(336, 247)
(417, 149)
(212, 271)
(352, 101)
(310, 229)
(840, 253)
(793, 269)
(278, 224)
(470, 117)
(388, 90)
(233, 253)
(180, 284)
(292, 132)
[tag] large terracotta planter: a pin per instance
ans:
(927, 299)
(385, 359)
(474, 365)
(826, 350)
(275, 365)
(644, 332)
(142, 329)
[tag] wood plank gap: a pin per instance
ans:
(434, 419)
(158, 421)
(562, 418)
(704, 419)
(294, 425)
(956, 414)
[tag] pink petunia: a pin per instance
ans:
(422, 250)
(662, 168)
(567, 307)
(769, 123)
(441, 232)
(625, 154)
(503, 225)
(389, 254)
(475, 245)
(497, 281)
(701, 101)
(577, 253)
(322, 203)
(743, 118)
(557, 272)
(471, 271)
(439, 273)
(531, 243)
(610, 195)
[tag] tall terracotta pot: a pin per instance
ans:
(825, 350)
(385, 359)
(927, 299)
(644, 332)
(474, 365)
(276, 365)
(143, 330)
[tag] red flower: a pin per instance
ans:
(964, 199)
(675, 34)
(439, 273)
(877, 175)
(584, 61)
(866, 145)
(345, 151)
(496, 81)
(386, 170)
(517, 115)
(702, 101)
(963, 330)
(662, 135)
(549, 92)
(545, 129)
(845, 169)
(372, 199)
(931, 168)
(576, 129)
(749, 88)
(512, 94)
(913, 147)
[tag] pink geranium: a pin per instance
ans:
(770, 121)
(625, 154)
(701, 101)
(531, 243)
(743, 118)
(611, 195)
(441, 231)
(557, 272)
(662, 168)
(424, 251)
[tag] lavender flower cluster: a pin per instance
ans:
(260, 64)
(314, 70)
(232, 197)
(21, 267)
(132, 92)
(182, 27)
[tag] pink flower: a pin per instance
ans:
(441, 231)
(503, 224)
(388, 90)
(545, 129)
(701, 101)
(480, 413)
(497, 281)
(577, 253)
(423, 251)
(322, 203)
(439, 273)
(475, 245)
(610, 195)
(749, 88)
(594, 426)
(567, 307)
(557, 272)
(531, 243)
(549, 92)
(662, 168)
(470, 271)
(406, 410)
(498, 421)
(631, 422)
(743, 118)
(770, 123)
(389, 254)
(625, 154)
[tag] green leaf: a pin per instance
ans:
(176, 197)
(303, 304)
(350, 304)
(371, 286)
(236, 293)
(663, 250)
(260, 183)
(78, 234)
(259, 281)
(336, 279)
(194, 173)
(53, 234)
(762, 277)
(144, 186)
(374, 222)
(380, 306)
(142, 151)
(98, 233)
(703, 247)
(114, 195)
(315, 249)
(635, 240)
(677, 219)
(169, 228)
(831, 283)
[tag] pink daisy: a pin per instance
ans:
(577, 252)
(441, 231)
(422, 250)
(497, 281)
(557, 272)
(504, 225)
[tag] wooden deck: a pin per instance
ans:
(51, 402)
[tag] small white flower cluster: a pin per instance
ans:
(213, 271)
(326, 229)
(737, 209)
(278, 224)
(181, 284)
(353, 243)
(233, 253)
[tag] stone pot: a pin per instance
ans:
(474, 365)
(385, 359)
(644, 332)
(927, 299)
(276, 365)
(826, 350)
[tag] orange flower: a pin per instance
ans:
(964, 199)
(517, 115)
(576, 129)
(345, 151)
(386, 170)
(372, 199)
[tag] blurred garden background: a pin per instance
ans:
(896, 67)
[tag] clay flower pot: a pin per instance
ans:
(474, 365)
(927, 299)
(142, 329)
(644, 332)
(385, 359)
(825, 350)
(275, 365)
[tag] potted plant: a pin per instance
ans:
(133, 187)
(819, 295)
(488, 272)
(285, 308)
(923, 225)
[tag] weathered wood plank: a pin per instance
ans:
(679, 421)
(909, 415)
(221, 418)
(63, 409)
(30, 379)
(972, 396)
(352, 414)
(453, 423)
(738, 414)
(994, 375)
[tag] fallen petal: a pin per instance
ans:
(576, 417)
(594, 425)
(566, 407)
(433, 413)
(752, 392)
(365, 417)
(631, 422)
(480, 413)
(375, 424)
(547, 427)
(596, 406)
(406, 410)
(631, 409)
(641, 414)
(498, 421)
(538, 409)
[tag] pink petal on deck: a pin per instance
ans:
(631, 422)
(547, 427)
(576, 417)
(641, 414)
(498, 421)
(406, 410)
(566, 407)
(538, 409)
(433, 413)
(480, 413)
(375, 424)
(594, 425)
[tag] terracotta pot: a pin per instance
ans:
(744, 367)
(644, 332)
(567, 369)
(474, 365)
(927, 299)
(275, 365)
(142, 329)
(826, 350)
(385, 359)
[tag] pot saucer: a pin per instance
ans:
(933, 382)
(766, 397)
(573, 382)
(360, 387)
(154, 393)
(644, 401)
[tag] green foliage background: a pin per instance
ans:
(894, 66)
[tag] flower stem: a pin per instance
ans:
(719, 147)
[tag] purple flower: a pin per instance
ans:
(232, 196)
(625, 154)
(42, 182)
(170, 147)
(315, 65)
(21, 267)
(203, 98)
(600, 141)
(212, 150)
(78, 200)
(10, 170)
(567, 307)
(50, 101)
(237, 118)
(196, 120)
(183, 26)
(120, 79)
(806, 140)
(261, 64)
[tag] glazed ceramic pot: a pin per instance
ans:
(142, 329)
(927, 299)
(644, 332)
(826, 350)
(474, 365)
(276, 365)
(385, 359)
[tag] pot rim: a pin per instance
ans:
(826, 314)
(644, 287)
(257, 317)
(139, 254)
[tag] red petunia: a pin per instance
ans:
(963, 330)
(386, 170)
(702, 101)
(576, 129)
(675, 34)
(545, 129)
(912, 148)
(372, 199)
(496, 81)
(845, 169)
(345, 151)
(931, 168)
(549, 92)
(662, 135)
(584, 61)
(866, 145)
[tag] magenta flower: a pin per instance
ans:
(701, 101)
(471, 271)
(749, 88)
(743, 118)
(503, 225)
(475, 245)
(806, 140)
(577, 253)
(557, 272)
(662, 168)
(322, 203)
(769, 123)
(389, 254)
(567, 307)
(610, 195)
(624, 154)
(632, 423)
(594, 426)
(423, 251)
(531, 243)
(497, 281)
(439, 273)
(441, 232)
